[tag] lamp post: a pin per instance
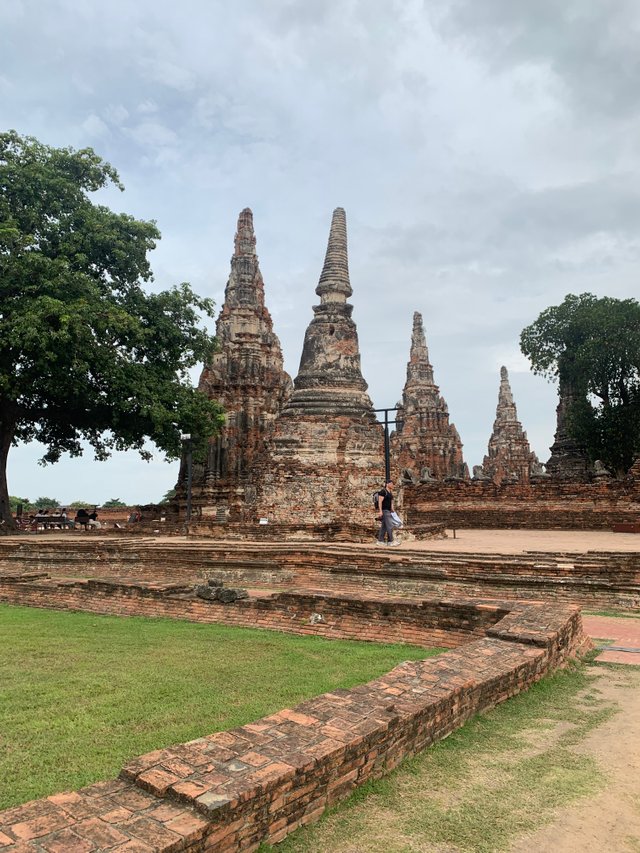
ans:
(387, 421)
(186, 439)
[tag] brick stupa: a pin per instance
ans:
(247, 378)
(326, 453)
(509, 457)
(427, 447)
(568, 461)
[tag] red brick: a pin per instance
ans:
(150, 832)
(67, 841)
(100, 832)
(40, 826)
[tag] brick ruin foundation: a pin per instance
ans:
(229, 791)
(595, 579)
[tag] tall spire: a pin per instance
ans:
(569, 460)
(330, 381)
(245, 285)
(506, 409)
(509, 456)
(419, 369)
(334, 284)
(246, 375)
(427, 446)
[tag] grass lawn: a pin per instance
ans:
(503, 774)
(81, 694)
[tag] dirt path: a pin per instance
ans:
(607, 822)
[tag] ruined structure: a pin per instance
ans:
(247, 378)
(326, 452)
(426, 446)
(568, 461)
(307, 455)
(509, 458)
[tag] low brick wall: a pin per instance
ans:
(230, 790)
(596, 579)
(385, 620)
(545, 505)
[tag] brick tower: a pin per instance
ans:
(247, 378)
(425, 446)
(326, 453)
(568, 460)
(509, 457)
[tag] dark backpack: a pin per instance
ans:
(375, 497)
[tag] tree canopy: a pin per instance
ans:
(87, 354)
(592, 345)
(113, 503)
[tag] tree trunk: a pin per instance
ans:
(7, 522)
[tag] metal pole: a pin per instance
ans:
(387, 461)
(189, 476)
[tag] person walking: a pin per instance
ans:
(385, 508)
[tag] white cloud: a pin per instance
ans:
(94, 127)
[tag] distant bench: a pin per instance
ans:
(48, 521)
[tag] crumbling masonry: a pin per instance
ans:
(286, 447)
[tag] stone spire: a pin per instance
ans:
(330, 381)
(334, 284)
(426, 445)
(327, 439)
(509, 457)
(246, 376)
(568, 460)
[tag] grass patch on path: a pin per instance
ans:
(80, 694)
(502, 774)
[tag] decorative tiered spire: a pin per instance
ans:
(245, 375)
(428, 447)
(334, 284)
(419, 369)
(509, 454)
(245, 286)
(330, 381)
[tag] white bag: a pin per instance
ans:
(396, 521)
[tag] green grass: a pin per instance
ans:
(618, 614)
(502, 774)
(81, 694)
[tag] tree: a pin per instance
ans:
(114, 503)
(46, 503)
(168, 496)
(593, 346)
(15, 501)
(86, 354)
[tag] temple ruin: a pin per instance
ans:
(426, 446)
(288, 449)
(509, 458)
(246, 376)
(327, 440)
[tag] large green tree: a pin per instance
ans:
(86, 353)
(592, 345)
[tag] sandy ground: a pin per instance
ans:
(516, 541)
(608, 822)
(460, 541)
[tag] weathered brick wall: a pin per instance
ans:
(230, 790)
(610, 579)
(385, 620)
(544, 505)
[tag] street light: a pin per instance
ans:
(185, 438)
(396, 420)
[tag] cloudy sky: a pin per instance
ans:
(486, 154)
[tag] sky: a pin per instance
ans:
(486, 155)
